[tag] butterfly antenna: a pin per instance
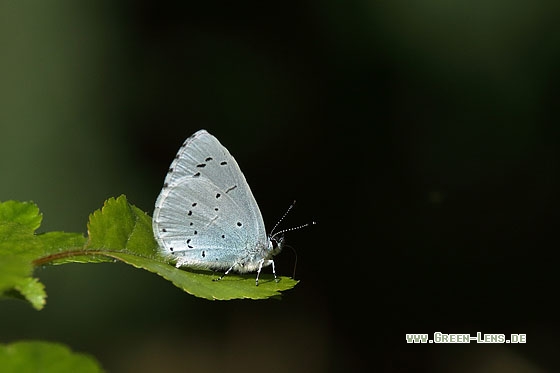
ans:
(282, 218)
(288, 230)
(293, 228)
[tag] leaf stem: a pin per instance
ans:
(68, 254)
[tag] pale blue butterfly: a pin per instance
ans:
(206, 216)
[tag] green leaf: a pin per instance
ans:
(118, 231)
(120, 226)
(19, 246)
(44, 357)
(124, 232)
(202, 284)
(16, 280)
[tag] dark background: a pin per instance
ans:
(423, 138)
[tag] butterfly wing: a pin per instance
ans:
(206, 214)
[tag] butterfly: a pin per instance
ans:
(206, 216)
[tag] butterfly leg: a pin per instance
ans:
(265, 263)
(225, 273)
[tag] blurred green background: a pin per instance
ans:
(422, 137)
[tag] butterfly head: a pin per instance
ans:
(275, 243)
